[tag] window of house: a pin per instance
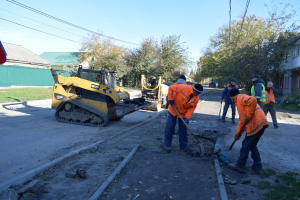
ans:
(287, 84)
(280, 83)
(296, 50)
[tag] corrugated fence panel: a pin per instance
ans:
(25, 76)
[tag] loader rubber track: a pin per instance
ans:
(86, 108)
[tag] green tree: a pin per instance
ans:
(173, 57)
(104, 53)
(143, 60)
(256, 45)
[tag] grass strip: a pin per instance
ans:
(289, 189)
(24, 94)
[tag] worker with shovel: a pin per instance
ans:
(252, 119)
(185, 99)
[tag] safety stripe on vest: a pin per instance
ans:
(257, 109)
(257, 127)
(184, 94)
(270, 95)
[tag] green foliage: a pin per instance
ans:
(263, 185)
(289, 189)
(290, 99)
(259, 46)
(268, 172)
(104, 53)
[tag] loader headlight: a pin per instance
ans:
(59, 96)
(97, 87)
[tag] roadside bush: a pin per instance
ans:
(290, 99)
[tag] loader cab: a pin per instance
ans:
(102, 77)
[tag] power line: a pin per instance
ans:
(246, 8)
(40, 23)
(39, 30)
(229, 20)
(63, 21)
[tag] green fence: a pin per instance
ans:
(24, 76)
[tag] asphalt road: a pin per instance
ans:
(30, 136)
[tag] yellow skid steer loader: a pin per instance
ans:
(154, 91)
(91, 97)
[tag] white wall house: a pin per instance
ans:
(290, 83)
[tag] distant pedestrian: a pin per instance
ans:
(185, 99)
(228, 101)
(256, 123)
(258, 89)
(269, 105)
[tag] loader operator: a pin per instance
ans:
(185, 98)
(256, 123)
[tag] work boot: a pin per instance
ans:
(167, 149)
(238, 168)
(276, 126)
(233, 121)
(257, 171)
(223, 120)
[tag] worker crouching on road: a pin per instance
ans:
(185, 98)
(256, 123)
(228, 101)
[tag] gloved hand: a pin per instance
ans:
(247, 119)
(187, 121)
(237, 137)
(171, 103)
(221, 101)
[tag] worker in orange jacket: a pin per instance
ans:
(185, 98)
(256, 123)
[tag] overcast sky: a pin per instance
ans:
(128, 20)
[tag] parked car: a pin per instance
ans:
(212, 84)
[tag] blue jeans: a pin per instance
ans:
(226, 108)
(249, 144)
(170, 128)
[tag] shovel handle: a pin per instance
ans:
(186, 124)
(241, 130)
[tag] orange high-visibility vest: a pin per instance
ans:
(247, 105)
(269, 97)
(180, 94)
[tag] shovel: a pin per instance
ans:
(239, 133)
(200, 143)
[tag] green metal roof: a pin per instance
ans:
(61, 58)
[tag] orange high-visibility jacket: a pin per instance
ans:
(247, 105)
(269, 97)
(180, 94)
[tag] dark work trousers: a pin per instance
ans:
(226, 109)
(270, 107)
(170, 128)
(249, 144)
(260, 104)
